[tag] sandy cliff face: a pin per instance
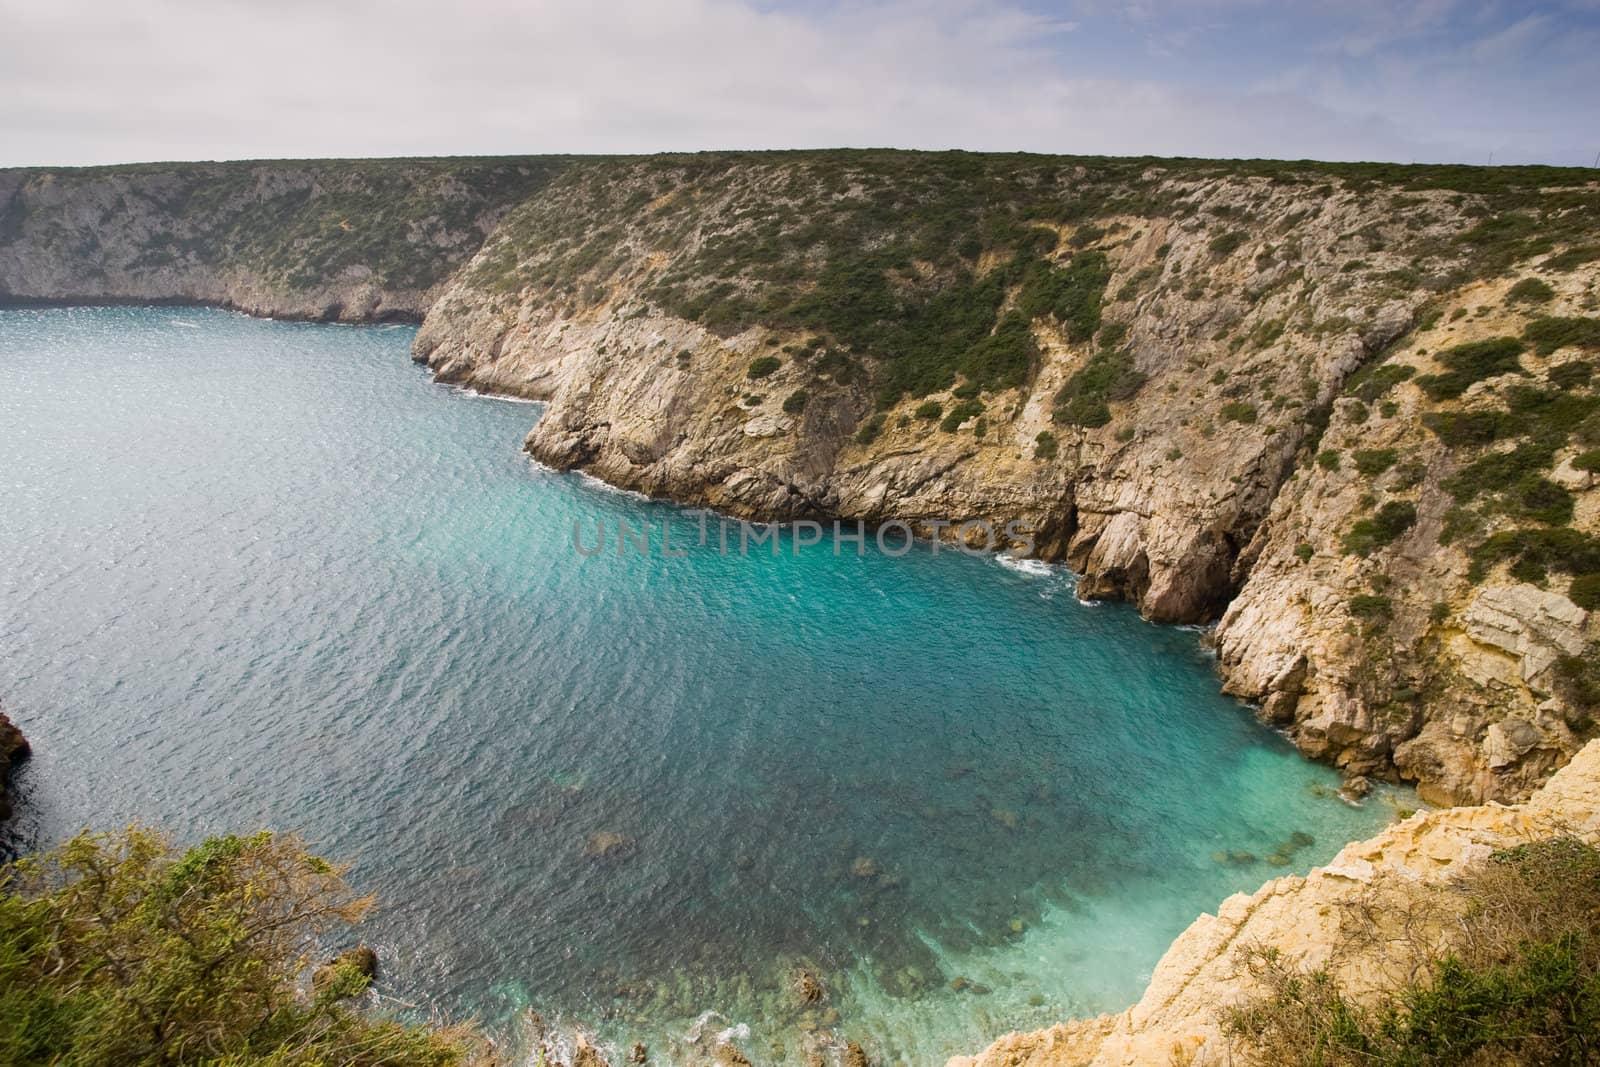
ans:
(350, 241)
(1258, 333)
(1178, 1020)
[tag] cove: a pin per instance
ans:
(268, 574)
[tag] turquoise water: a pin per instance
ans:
(260, 573)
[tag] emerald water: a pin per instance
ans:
(268, 574)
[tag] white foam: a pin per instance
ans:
(1036, 568)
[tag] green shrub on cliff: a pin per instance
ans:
(123, 951)
(1368, 535)
(1547, 334)
(1517, 982)
(1471, 363)
(763, 367)
(1085, 398)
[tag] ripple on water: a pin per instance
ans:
(267, 573)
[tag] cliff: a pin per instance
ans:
(1345, 412)
(335, 240)
(1180, 1018)
(13, 750)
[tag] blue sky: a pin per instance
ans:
(88, 81)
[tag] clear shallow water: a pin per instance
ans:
(260, 573)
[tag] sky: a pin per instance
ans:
(103, 81)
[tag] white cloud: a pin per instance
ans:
(91, 81)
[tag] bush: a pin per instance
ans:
(1517, 981)
(1373, 462)
(1228, 243)
(1585, 592)
(1460, 429)
(870, 430)
(1303, 552)
(1239, 411)
(1085, 398)
(960, 413)
(1537, 498)
(1073, 294)
(1471, 363)
(795, 402)
(1535, 552)
(1045, 445)
(1530, 291)
(1369, 535)
(1370, 607)
(1588, 461)
(763, 367)
(929, 409)
(1328, 459)
(122, 950)
(1547, 334)
(1573, 375)
(1371, 382)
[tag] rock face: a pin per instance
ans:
(1232, 393)
(1266, 340)
(349, 241)
(13, 750)
(1177, 1019)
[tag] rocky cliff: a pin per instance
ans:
(1180, 1018)
(13, 750)
(336, 240)
(1345, 412)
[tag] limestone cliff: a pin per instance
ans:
(336, 240)
(1179, 1018)
(1347, 412)
(1209, 387)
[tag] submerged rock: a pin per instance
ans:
(864, 867)
(608, 844)
(808, 988)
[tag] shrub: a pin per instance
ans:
(1228, 243)
(1239, 411)
(1371, 382)
(1498, 471)
(1084, 399)
(960, 413)
(1547, 334)
(1585, 591)
(1370, 606)
(1328, 459)
(795, 402)
(120, 949)
(1516, 981)
(1392, 520)
(870, 430)
(1539, 499)
(1530, 291)
(1588, 461)
(763, 367)
(1073, 294)
(1303, 552)
(1573, 375)
(1535, 552)
(929, 409)
(1045, 445)
(1374, 461)
(1467, 428)
(1471, 363)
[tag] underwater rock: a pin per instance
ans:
(957, 984)
(608, 844)
(1356, 788)
(638, 1054)
(864, 867)
(854, 1056)
(586, 1055)
(1005, 817)
(808, 987)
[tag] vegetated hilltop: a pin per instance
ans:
(339, 240)
(1347, 411)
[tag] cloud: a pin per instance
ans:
(86, 81)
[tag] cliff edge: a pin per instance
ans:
(1180, 1018)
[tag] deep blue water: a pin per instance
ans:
(260, 573)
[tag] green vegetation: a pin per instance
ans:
(1471, 363)
(1328, 459)
(122, 951)
(1371, 607)
(1368, 535)
(1547, 334)
(1085, 398)
(1373, 462)
(870, 430)
(930, 409)
(1303, 552)
(795, 403)
(1045, 445)
(1373, 381)
(1534, 553)
(1518, 981)
(763, 367)
(1530, 291)
(963, 411)
(1228, 243)
(1239, 411)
